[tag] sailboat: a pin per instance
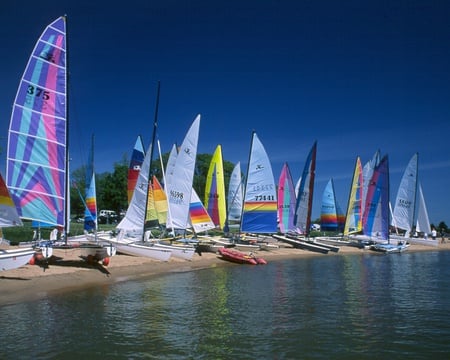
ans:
(302, 214)
(259, 210)
(215, 201)
(37, 163)
(286, 201)
(331, 216)
(11, 258)
(410, 215)
(92, 248)
(260, 198)
(376, 213)
(130, 237)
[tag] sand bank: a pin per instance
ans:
(71, 273)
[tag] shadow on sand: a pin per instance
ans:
(84, 263)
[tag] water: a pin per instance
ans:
(329, 307)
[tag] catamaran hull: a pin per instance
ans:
(15, 258)
(180, 252)
(142, 249)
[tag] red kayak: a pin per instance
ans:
(240, 257)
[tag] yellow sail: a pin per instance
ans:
(215, 202)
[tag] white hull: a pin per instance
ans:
(15, 258)
(137, 248)
(180, 252)
(417, 241)
(389, 248)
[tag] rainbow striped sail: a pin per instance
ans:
(331, 217)
(137, 158)
(286, 200)
(215, 201)
(302, 217)
(353, 219)
(260, 198)
(198, 216)
(37, 152)
(376, 212)
(160, 201)
(90, 212)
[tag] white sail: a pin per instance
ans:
(133, 221)
(423, 222)
(235, 194)
(403, 213)
(179, 184)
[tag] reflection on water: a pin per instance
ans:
(341, 307)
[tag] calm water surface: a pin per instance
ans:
(329, 307)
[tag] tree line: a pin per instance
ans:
(111, 187)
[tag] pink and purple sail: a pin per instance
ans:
(37, 161)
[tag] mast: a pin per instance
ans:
(66, 179)
(152, 145)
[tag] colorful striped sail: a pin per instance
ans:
(8, 211)
(160, 201)
(302, 217)
(376, 212)
(37, 154)
(286, 200)
(90, 212)
(331, 215)
(215, 201)
(353, 219)
(137, 158)
(198, 215)
(260, 199)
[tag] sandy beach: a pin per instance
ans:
(72, 273)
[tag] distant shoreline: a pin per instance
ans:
(71, 273)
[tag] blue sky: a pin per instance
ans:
(356, 76)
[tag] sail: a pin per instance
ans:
(376, 212)
(404, 206)
(179, 184)
(423, 222)
(215, 201)
(260, 199)
(37, 138)
(90, 212)
(353, 219)
(135, 215)
(331, 216)
(235, 197)
(286, 200)
(302, 217)
(367, 173)
(137, 158)
(199, 218)
(8, 211)
(160, 201)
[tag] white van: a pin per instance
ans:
(107, 216)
